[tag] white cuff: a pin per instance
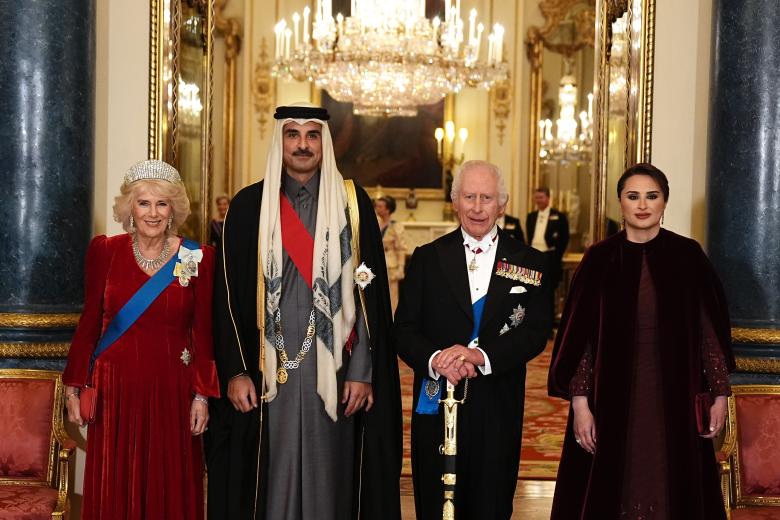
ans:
(485, 369)
(431, 372)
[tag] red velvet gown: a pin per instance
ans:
(142, 460)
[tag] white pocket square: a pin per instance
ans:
(518, 289)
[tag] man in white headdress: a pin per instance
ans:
(310, 426)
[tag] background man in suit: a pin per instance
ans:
(473, 311)
(512, 227)
(548, 231)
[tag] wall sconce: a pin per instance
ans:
(447, 149)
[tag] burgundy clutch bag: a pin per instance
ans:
(88, 403)
(703, 403)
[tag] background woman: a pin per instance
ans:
(645, 329)
(144, 450)
(393, 241)
(216, 224)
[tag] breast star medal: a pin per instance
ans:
(281, 375)
(363, 275)
(518, 314)
(186, 357)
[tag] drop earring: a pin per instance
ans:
(170, 221)
(131, 227)
(662, 219)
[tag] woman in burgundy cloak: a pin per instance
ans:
(645, 329)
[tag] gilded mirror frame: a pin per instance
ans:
(165, 127)
(639, 18)
(537, 40)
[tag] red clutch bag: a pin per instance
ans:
(88, 403)
(703, 403)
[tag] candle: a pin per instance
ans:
(472, 21)
(590, 106)
(439, 135)
(480, 28)
(548, 136)
(447, 11)
(457, 8)
(306, 12)
(463, 134)
(490, 49)
(296, 20)
(318, 16)
(287, 36)
(422, 8)
(499, 44)
(449, 129)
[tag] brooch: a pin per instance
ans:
(503, 330)
(363, 275)
(186, 357)
(187, 266)
(521, 274)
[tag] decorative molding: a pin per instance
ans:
(758, 365)
(755, 336)
(13, 320)
(34, 350)
(501, 96)
(263, 87)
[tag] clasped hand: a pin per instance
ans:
(457, 362)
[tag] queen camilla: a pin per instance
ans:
(140, 368)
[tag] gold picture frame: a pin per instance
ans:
(623, 115)
(180, 99)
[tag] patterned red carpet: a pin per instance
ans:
(543, 427)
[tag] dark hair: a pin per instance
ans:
(389, 202)
(645, 169)
(543, 189)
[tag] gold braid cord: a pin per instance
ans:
(354, 223)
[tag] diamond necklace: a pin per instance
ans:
(145, 263)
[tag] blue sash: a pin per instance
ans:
(139, 302)
(430, 390)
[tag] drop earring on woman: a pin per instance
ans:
(170, 221)
(662, 219)
(131, 227)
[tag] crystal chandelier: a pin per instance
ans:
(386, 57)
(573, 139)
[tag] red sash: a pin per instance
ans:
(296, 239)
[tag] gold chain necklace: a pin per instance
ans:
(281, 372)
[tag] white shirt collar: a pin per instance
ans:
(485, 244)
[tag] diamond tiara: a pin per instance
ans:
(152, 169)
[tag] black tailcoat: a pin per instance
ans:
(434, 313)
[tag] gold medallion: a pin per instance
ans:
(281, 375)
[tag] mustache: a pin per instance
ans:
(302, 153)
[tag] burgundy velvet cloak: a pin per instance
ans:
(601, 312)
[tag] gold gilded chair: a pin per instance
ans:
(34, 449)
(750, 454)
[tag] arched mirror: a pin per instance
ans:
(623, 101)
(562, 65)
(180, 60)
